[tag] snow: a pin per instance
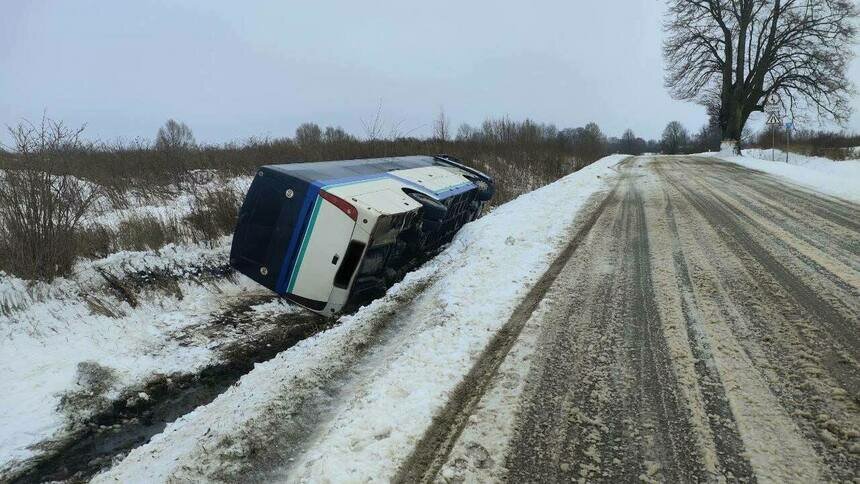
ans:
(817, 163)
(48, 329)
(479, 453)
(423, 337)
(837, 178)
(176, 206)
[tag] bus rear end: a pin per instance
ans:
(292, 237)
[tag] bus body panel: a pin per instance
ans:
(304, 247)
(322, 251)
(438, 181)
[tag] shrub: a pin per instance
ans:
(213, 213)
(147, 232)
(41, 205)
(95, 242)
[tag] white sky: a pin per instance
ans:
(237, 69)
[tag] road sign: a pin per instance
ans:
(773, 119)
(789, 125)
(773, 104)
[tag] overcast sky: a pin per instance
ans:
(259, 68)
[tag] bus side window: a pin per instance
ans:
(349, 264)
(262, 220)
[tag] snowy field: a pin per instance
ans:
(170, 207)
(836, 178)
(386, 356)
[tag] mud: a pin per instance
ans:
(96, 441)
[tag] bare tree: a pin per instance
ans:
(732, 55)
(374, 128)
(334, 135)
(441, 129)
(707, 139)
(174, 136)
(590, 143)
(466, 132)
(308, 135)
(675, 137)
(628, 143)
(41, 205)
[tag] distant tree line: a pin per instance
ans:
(52, 179)
(542, 148)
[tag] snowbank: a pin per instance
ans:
(424, 336)
(48, 329)
(817, 163)
(836, 178)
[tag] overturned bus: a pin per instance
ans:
(330, 235)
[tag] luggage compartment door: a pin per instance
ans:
(322, 252)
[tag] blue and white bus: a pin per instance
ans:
(332, 234)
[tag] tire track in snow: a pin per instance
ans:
(808, 302)
(682, 354)
(432, 450)
(673, 446)
(625, 405)
(833, 209)
(794, 352)
(818, 232)
(727, 440)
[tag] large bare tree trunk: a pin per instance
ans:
(736, 119)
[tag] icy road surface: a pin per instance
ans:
(706, 328)
(654, 318)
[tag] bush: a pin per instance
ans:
(95, 242)
(827, 144)
(41, 205)
(213, 213)
(147, 232)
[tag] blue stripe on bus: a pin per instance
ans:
(298, 264)
(307, 203)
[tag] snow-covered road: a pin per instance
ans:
(704, 330)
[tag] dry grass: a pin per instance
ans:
(147, 232)
(213, 213)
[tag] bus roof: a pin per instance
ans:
(328, 170)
